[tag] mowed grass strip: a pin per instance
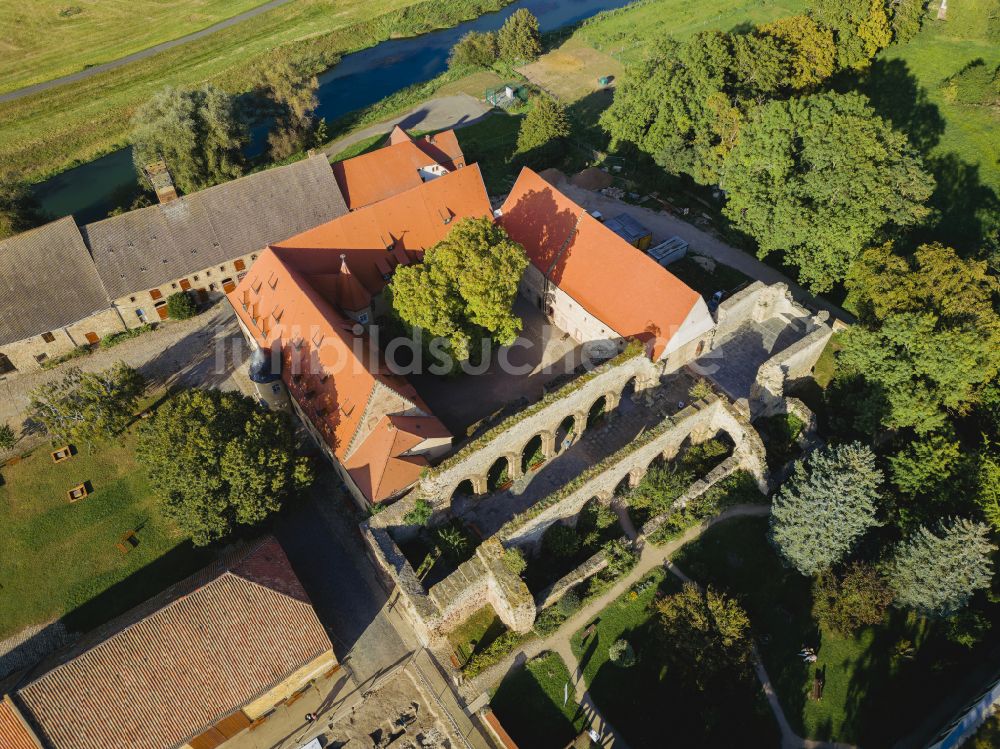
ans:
(60, 558)
(46, 133)
(529, 704)
(47, 39)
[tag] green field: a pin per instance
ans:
(60, 559)
(873, 696)
(52, 131)
(46, 39)
(529, 704)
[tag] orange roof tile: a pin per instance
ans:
(617, 283)
(13, 734)
(375, 176)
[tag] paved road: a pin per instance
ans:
(663, 226)
(443, 112)
(140, 55)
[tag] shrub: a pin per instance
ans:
(180, 306)
(976, 84)
(552, 617)
(560, 541)
(700, 390)
(454, 544)
(474, 50)
(621, 654)
(513, 559)
(621, 557)
(858, 599)
(499, 649)
(420, 513)
(7, 437)
(114, 339)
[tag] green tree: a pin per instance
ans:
(88, 406)
(859, 598)
(809, 49)
(936, 573)
(825, 506)
(475, 49)
(819, 178)
(761, 65)
(988, 483)
(219, 461)
(560, 541)
(675, 106)
(180, 306)
(197, 132)
(861, 27)
(925, 464)
(543, 128)
(907, 18)
(621, 654)
(518, 40)
(930, 334)
(18, 208)
(621, 557)
(293, 94)
(704, 637)
(467, 282)
(420, 514)
(660, 488)
(7, 437)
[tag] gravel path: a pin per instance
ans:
(140, 55)
(443, 112)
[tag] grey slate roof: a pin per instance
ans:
(47, 281)
(148, 247)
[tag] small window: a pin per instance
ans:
(48, 337)
(240, 265)
(173, 286)
(41, 357)
(132, 299)
(207, 273)
(155, 294)
(253, 257)
(194, 278)
(6, 367)
(222, 269)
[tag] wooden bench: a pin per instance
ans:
(817, 688)
(127, 542)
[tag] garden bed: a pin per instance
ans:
(434, 553)
(476, 633)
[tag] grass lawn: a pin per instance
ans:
(644, 702)
(60, 558)
(872, 695)
(491, 143)
(46, 39)
(52, 131)
(529, 704)
(476, 633)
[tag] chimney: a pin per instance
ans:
(343, 264)
(163, 183)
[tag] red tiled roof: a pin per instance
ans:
(380, 466)
(617, 283)
(388, 171)
(13, 734)
(167, 671)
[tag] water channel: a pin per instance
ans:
(360, 79)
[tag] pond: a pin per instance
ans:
(360, 79)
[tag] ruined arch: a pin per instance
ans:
(533, 452)
(464, 488)
(597, 411)
(500, 473)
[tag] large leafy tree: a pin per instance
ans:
(861, 27)
(467, 283)
(518, 39)
(88, 406)
(936, 572)
(197, 132)
(930, 333)
(218, 460)
(825, 506)
(858, 598)
(293, 94)
(808, 48)
(705, 637)
(18, 207)
(819, 178)
(475, 49)
(675, 106)
(544, 128)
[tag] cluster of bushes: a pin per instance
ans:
(739, 488)
(977, 84)
(518, 41)
(73, 353)
(114, 339)
(499, 649)
(180, 306)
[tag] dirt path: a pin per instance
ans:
(443, 112)
(650, 557)
(140, 55)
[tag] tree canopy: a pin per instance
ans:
(858, 598)
(936, 572)
(705, 636)
(197, 132)
(474, 49)
(821, 177)
(544, 127)
(518, 39)
(467, 282)
(18, 207)
(807, 47)
(293, 93)
(861, 27)
(930, 334)
(218, 461)
(88, 406)
(825, 506)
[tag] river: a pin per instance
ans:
(360, 79)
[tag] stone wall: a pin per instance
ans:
(756, 303)
(726, 468)
(767, 394)
(698, 422)
(582, 572)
